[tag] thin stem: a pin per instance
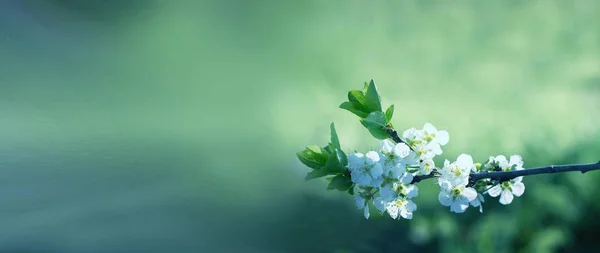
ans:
(503, 176)
(395, 137)
(508, 175)
(417, 179)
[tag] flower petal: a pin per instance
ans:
(445, 198)
(386, 146)
(459, 207)
(356, 161)
(518, 188)
(411, 191)
(518, 160)
(495, 191)
(360, 202)
(392, 210)
(442, 137)
(464, 160)
(407, 178)
(429, 128)
(376, 171)
(372, 157)
(380, 204)
(366, 212)
(506, 197)
(469, 193)
(411, 206)
(387, 192)
(401, 150)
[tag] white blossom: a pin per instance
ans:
(399, 207)
(432, 135)
(507, 190)
(457, 198)
(365, 170)
(456, 173)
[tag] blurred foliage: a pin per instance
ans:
(149, 126)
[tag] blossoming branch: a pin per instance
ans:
(386, 178)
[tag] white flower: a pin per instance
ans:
(507, 190)
(457, 198)
(398, 207)
(432, 135)
(456, 173)
(392, 158)
(478, 202)
(515, 163)
(412, 135)
(427, 167)
(361, 203)
(365, 170)
(392, 190)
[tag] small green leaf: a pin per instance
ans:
(389, 113)
(375, 119)
(376, 123)
(334, 138)
(349, 107)
(342, 157)
(351, 190)
(328, 149)
(316, 174)
(373, 97)
(313, 156)
(340, 183)
(358, 100)
(334, 163)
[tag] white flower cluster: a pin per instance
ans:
(385, 176)
(458, 194)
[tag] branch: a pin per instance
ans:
(395, 137)
(503, 176)
(508, 175)
(417, 179)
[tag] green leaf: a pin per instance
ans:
(373, 97)
(375, 119)
(351, 190)
(376, 123)
(340, 183)
(334, 138)
(313, 156)
(389, 113)
(343, 157)
(349, 107)
(316, 174)
(358, 100)
(334, 163)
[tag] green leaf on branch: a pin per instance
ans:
(373, 97)
(335, 163)
(358, 100)
(351, 190)
(340, 183)
(349, 107)
(316, 174)
(376, 123)
(313, 156)
(361, 103)
(389, 113)
(334, 138)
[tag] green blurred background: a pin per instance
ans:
(172, 126)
